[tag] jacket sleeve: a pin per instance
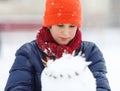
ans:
(21, 76)
(98, 66)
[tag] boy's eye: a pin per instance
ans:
(60, 25)
(72, 25)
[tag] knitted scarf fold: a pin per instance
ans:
(48, 45)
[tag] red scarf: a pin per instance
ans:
(48, 45)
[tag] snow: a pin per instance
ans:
(69, 73)
(106, 39)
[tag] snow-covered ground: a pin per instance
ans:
(106, 39)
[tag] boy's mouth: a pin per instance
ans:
(64, 39)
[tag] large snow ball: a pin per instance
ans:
(68, 73)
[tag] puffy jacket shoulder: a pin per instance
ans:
(98, 65)
(26, 69)
(31, 52)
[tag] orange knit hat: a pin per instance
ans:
(62, 12)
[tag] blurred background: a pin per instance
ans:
(20, 20)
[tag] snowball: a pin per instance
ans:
(68, 73)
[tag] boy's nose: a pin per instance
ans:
(65, 31)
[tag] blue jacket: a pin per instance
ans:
(26, 70)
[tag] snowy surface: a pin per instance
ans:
(107, 40)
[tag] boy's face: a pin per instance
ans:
(63, 33)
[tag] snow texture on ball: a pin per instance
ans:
(68, 73)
